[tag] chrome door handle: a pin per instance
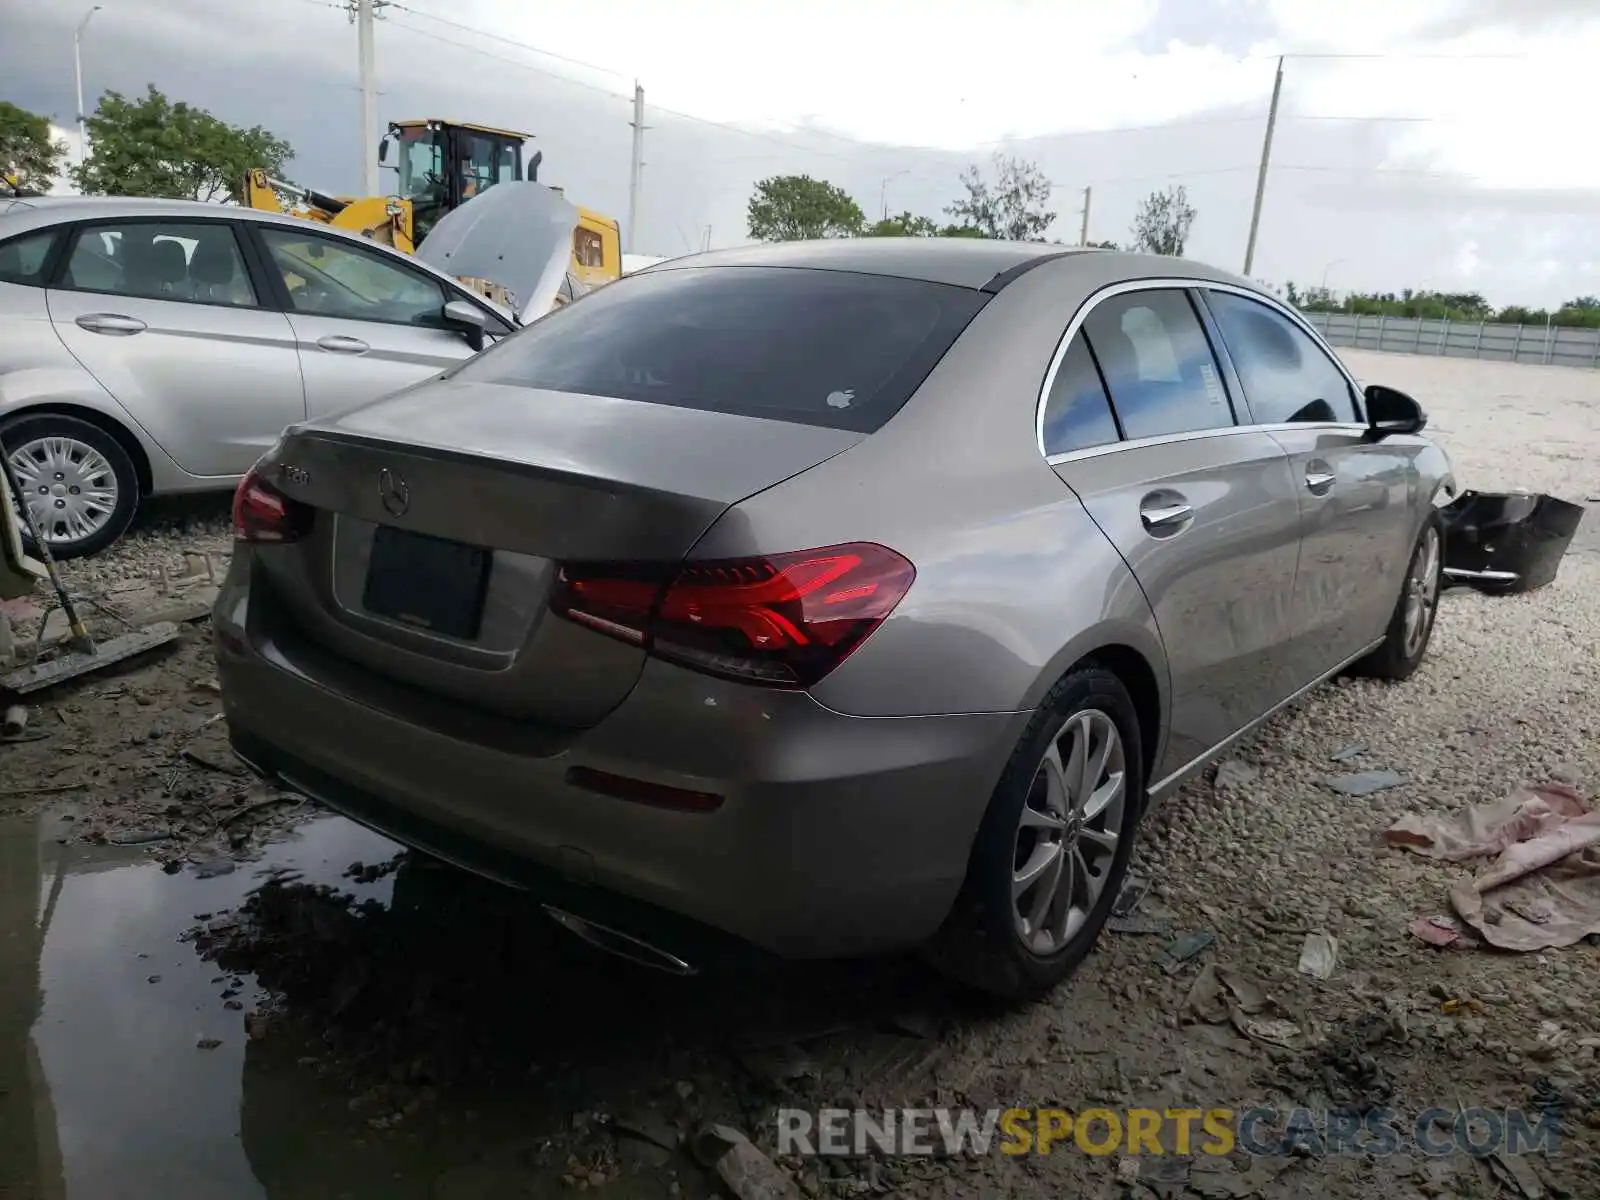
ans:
(1318, 482)
(340, 344)
(112, 323)
(1165, 516)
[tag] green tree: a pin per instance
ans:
(790, 208)
(1162, 224)
(154, 147)
(28, 154)
(905, 225)
(1012, 207)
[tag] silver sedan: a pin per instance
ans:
(152, 346)
(838, 598)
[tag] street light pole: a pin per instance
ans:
(1328, 268)
(77, 78)
(883, 190)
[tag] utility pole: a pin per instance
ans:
(77, 77)
(1083, 229)
(364, 13)
(638, 165)
(1261, 177)
(705, 244)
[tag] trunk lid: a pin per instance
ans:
(533, 479)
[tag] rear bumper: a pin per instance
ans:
(837, 835)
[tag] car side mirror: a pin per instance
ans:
(383, 150)
(468, 320)
(1391, 412)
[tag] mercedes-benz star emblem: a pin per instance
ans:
(394, 493)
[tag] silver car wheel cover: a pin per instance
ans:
(70, 487)
(1068, 832)
(1422, 592)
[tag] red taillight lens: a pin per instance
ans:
(785, 620)
(261, 513)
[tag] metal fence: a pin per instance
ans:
(1553, 345)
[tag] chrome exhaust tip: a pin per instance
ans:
(622, 945)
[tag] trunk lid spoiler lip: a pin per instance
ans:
(333, 431)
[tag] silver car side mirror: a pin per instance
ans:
(469, 320)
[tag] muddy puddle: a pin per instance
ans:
(335, 1020)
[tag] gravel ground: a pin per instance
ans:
(440, 1012)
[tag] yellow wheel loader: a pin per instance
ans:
(442, 165)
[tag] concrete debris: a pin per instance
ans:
(742, 1169)
(1319, 955)
(1365, 783)
(1182, 949)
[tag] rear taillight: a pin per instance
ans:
(261, 513)
(784, 620)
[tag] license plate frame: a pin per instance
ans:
(428, 583)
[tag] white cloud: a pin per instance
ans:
(946, 74)
(954, 75)
(63, 184)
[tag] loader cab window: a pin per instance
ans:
(485, 160)
(421, 165)
(588, 248)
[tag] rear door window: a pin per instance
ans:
(1077, 413)
(198, 262)
(1158, 364)
(22, 259)
(830, 348)
(1286, 376)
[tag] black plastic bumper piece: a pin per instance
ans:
(1506, 542)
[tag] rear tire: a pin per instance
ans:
(1003, 936)
(1405, 643)
(55, 452)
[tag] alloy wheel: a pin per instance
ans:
(1068, 832)
(1422, 592)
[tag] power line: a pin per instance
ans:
(753, 133)
(776, 140)
(577, 62)
(1396, 57)
(1151, 127)
(431, 36)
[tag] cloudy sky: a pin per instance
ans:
(1421, 143)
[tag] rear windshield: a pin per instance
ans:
(831, 348)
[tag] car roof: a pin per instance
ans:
(979, 263)
(88, 208)
(38, 212)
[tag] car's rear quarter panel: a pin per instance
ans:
(1014, 582)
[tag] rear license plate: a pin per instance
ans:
(429, 582)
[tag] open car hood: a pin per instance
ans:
(518, 235)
